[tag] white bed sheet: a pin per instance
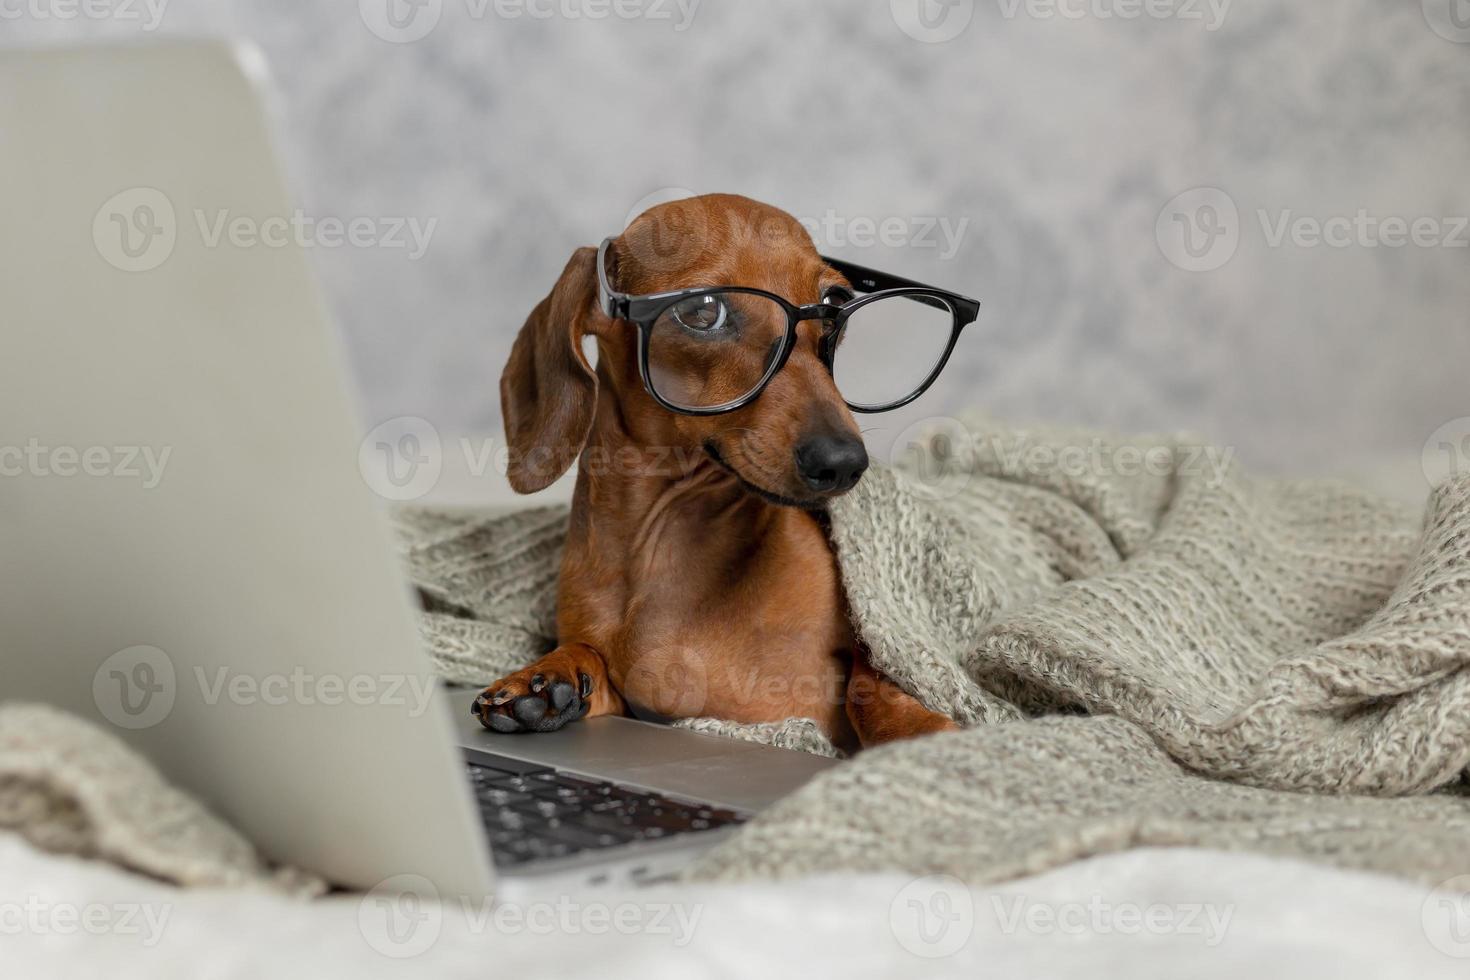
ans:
(1147, 913)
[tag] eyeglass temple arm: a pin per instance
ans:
(608, 298)
(871, 281)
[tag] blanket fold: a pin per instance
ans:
(70, 787)
(1241, 641)
(1294, 635)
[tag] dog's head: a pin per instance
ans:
(795, 444)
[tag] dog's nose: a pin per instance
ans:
(831, 464)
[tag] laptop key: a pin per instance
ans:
(502, 797)
(582, 838)
(568, 793)
(539, 808)
(602, 823)
(671, 821)
(509, 819)
(521, 784)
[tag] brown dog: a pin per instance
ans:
(697, 577)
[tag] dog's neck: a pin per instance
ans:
(636, 474)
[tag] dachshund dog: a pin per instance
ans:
(697, 577)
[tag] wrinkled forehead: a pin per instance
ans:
(691, 242)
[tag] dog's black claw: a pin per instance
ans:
(585, 683)
(561, 695)
(528, 709)
(479, 703)
(501, 723)
(537, 683)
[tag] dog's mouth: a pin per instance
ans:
(712, 450)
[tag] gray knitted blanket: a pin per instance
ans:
(70, 787)
(1146, 646)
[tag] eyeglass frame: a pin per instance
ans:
(643, 312)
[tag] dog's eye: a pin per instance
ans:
(701, 313)
(836, 296)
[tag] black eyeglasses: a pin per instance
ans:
(707, 350)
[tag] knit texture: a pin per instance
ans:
(1005, 801)
(1250, 640)
(71, 788)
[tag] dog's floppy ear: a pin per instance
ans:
(548, 391)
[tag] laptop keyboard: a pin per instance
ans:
(535, 812)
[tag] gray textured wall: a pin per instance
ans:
(1051, 146)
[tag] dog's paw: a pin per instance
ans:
(536, 699)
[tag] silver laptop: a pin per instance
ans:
(188, 553)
